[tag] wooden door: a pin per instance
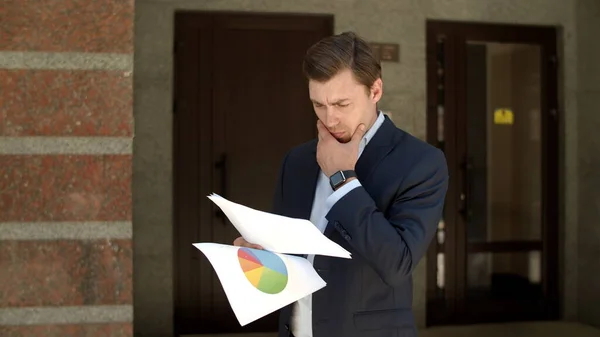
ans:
(492, 108)
(241, 102)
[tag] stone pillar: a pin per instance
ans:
(66, 132)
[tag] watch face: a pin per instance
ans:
(336, 179)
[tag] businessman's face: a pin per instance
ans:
(342, 103)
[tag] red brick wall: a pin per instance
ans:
(101, 26)
(65, 190)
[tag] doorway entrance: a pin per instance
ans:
(241, 102)
(492, 108)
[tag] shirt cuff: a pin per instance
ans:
(341, 192)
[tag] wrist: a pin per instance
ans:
(340, 178)
(334, 171)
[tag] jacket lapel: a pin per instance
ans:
(305, 174)
(382, 143)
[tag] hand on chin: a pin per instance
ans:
(335, 155)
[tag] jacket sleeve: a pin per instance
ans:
(394, 243)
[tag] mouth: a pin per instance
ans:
(338, 135)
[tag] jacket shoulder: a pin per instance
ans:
(414, 149)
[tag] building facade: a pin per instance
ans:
(86, 144)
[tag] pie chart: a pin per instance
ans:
(264, 270)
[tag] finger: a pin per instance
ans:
(323, 132)
(319, 132)
(239, 242)
(251, 245)
(320, 127)
(359, 133)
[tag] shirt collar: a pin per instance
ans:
(371, 132)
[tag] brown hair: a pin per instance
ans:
(333, 54)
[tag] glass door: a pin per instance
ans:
(494, 114)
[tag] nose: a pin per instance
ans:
(331, 117)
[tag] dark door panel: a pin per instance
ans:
(241, 102)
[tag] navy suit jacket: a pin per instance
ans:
(387, 225)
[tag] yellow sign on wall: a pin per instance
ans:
(504, 116)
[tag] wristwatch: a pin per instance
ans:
(339, 178)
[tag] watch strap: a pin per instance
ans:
(349, 174)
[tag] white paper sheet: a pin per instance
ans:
(248, 301)
(259, 282)
(278, 233)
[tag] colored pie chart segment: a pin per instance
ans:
(264, 270)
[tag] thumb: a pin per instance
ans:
(359, 133)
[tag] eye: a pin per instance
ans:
(343, 105)
(318, 105)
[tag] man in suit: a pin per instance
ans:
(367, 185)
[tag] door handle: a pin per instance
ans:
(221, 165)
(465, 196)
